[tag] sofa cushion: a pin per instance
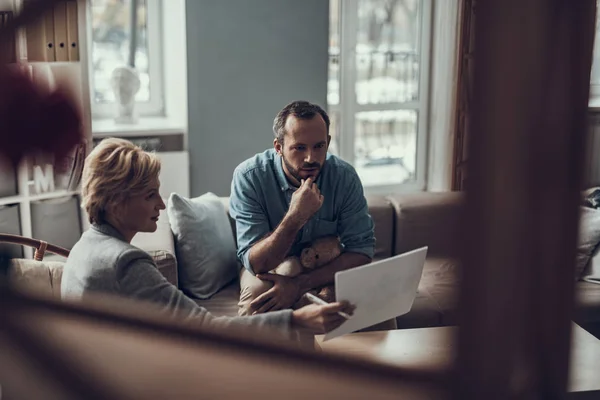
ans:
(382, 213)
(427, 219)
(436, 301)
(45, 276)
(161, 247)
(38, 276)
(161, 239)
(224, 303)
(167, 264)
(441, 280)
(204, 244)
(424, 313)
(435, 304)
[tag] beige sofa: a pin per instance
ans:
(402, 222)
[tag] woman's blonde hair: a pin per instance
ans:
(115, 170)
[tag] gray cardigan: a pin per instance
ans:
(102, 261)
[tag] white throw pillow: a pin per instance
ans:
(206, 252)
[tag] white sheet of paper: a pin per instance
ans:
(381, 290)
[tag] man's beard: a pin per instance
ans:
(296, 172)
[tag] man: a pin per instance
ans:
(288, 196)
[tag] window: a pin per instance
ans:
(112, 47)
(377, 89)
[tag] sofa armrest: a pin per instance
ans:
(37, 276)
(428, 219)
(161, 246)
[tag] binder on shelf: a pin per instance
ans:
(72, 31)
(40, 38)
(10, 223)
(49, 44)
(56, 221)
(61, 49)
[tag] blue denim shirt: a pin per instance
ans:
(261, 194)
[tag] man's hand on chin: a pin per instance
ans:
(283, 295)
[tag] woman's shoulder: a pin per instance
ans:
(96, 245)
(130, 254)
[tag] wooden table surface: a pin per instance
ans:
(434, 349)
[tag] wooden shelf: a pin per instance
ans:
(147, 126)
(51, 63)
(67, 66)
(52, 195)
(4, 201)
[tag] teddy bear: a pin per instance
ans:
(319, 253)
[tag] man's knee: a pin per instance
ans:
(250, 288)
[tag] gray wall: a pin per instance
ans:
(246, 60)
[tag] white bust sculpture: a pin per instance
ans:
(125, 83)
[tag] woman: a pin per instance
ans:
(120, 194)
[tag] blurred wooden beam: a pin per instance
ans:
(531, 85)
(125, 349)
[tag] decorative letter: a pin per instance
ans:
(43, 180)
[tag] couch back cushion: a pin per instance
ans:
(161, 247)
(37, 276)
(403, 222)
(428, 219)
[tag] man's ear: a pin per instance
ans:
(278, 146)
(328, 141)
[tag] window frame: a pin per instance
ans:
(348, 106)
(155, 107)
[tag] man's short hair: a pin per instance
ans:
(301, 110)
(115, 170)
